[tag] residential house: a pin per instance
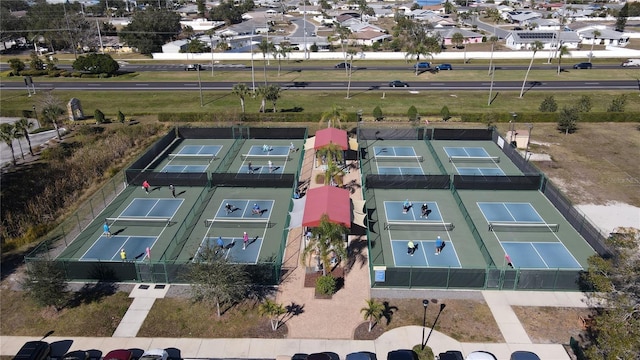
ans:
(470, 37)
(368, 38)
(174, 46)
(607, 37)
(522, 40)
(523, 17)
(546, 24)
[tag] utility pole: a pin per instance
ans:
(100, 36)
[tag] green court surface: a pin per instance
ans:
(492, 150)
(166, 233)
(461, 238)
(269, 227)
(283, 158)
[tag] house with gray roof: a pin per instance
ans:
(522, 40)
(606, 37)
(523, 17)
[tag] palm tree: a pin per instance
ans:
(372, 312)
(596, 33)
(261, 92)
(281, 53)
(273, 310)
(333, 117)
(327, 238)
(537, 45)
(351, 53)
(265, 47)
(417, 42)
(562, 51)
(493, 40)
(24, 125)
(273, 94)
(17, 134)
(241, 90)
(51, 111)
(343, 34)
(6, 135)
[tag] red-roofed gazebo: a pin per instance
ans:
(328, 136)
(330, 200)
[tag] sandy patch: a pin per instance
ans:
(612, 215)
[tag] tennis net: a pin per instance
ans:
(205, 157)
(418, 225)
(384, 158)
(497, 226)
(139, 221)
(477, 159)
(239, 223)
(265, 157)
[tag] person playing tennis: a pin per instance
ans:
(256, 210)
(228, 208)
(406, 206)
(424, 210)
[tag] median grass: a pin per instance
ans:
(427, 102)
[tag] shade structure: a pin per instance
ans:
(328, 136)
(330, 200)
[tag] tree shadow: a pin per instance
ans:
(90, 293)
(292, 309)
(494, 98)
(356, 254)
(388, 311)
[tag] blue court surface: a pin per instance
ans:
(141, 208)
(233, 249)
(399, 170)
(108, 248)
(539, 255)
(470, 152)
(260, 150)
(393, 151)
(508, 212)
(394, 213)
(185, 168)
(277, 167)
(243, 209)
(200, 150)
(424, 255)
(479, 171)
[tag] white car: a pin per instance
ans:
(155, 354)
(481, 355)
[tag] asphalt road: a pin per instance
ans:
(331, 85)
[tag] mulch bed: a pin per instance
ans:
(310, 278)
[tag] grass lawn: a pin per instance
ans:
(88, 317)
(134, 103)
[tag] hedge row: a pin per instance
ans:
(252, 117)
(60, 73)
(540, 117)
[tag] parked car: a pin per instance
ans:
(398, 83)
(361, 355)
(33, 350)
(422, 65)
(319, 356)
(155, 354)
(343, 65)
(76, 355)
(583, 65)
(402, 355)
(120, 354)
(451, 355)
(444, 67)
(481, 355)
(523, 355)
(193, 67)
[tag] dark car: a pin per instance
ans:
(402, 355)
(398, 83)
(422, 65)
(451, 355)
(523, 355)
(342, 65)
(120, 354)
(33, 350)
(319, 356)
(444, 67)
(583, 65)
(361, 355)
(193, 67)
(76, 355)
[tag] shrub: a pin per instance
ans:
(423, 354)
(618, 104)
(120, 116)
(444, 112)
(549, 104)
(412, 114)
(326, 285)
(568, 120)
(377, 114)
(99, 116)
(584, 104)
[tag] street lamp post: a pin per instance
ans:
(35, 113)
(425, 303)
(512, 127)
(199, 85)
(211, 47)
(527, 156)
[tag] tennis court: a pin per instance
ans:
(193, 156)
(108, 248)
(474, 158)
(424, 255)
(397, 158)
